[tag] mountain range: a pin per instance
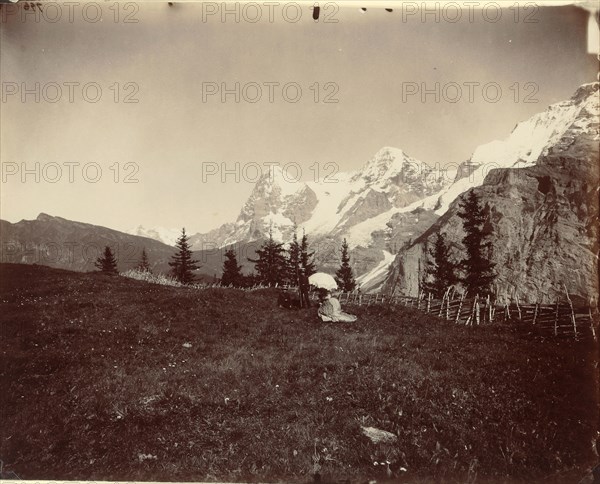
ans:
(539, 186)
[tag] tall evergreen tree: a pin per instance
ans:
(232, 272)
(182, 264)
(477, 266)
(307, 264)
(344, 276)
(107, 262)
(441, 272)
(250, 280)
(271, 263)
(144, 263)
(293, 261)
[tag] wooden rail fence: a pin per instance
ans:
(560, 319)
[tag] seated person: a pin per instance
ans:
(286, 300)
(330, 309)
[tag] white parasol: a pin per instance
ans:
(323, 280)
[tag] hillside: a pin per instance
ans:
(107, 378)
(67, 244)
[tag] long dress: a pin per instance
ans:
(331, 310)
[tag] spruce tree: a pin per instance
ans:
(293, 261)
(477, 266)
(271, 263)
(144, 263)
(441, 272)
(232, 272)
(107, 263)
(250, 280)
(182, 264)
(344, 276)
(307, 264)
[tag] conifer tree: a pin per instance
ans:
(144, 263)
(307, 264)
(107, 262)
(441, 272)
(344, 276)
(232, 272)
(477, 266)
(271, 262)
(250, 280)
(293, 261)
(182, 264)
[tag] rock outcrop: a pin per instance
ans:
(543, 218)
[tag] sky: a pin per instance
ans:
(180, 155)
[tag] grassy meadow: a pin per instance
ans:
(108, 378)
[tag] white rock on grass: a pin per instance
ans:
(143, 457)
(379, 436)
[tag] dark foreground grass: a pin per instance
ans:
(98, 382)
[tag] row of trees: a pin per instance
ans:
(182, 265)
(107, 262)
(476, 270)
(274, 265)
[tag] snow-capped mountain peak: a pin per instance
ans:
(389, 181)
(387, 162)
(528, 141)
(162, 234)
(283, 180)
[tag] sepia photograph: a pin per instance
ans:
(300, 241)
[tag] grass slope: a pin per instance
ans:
(97, 384)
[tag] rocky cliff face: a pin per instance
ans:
(543, 217)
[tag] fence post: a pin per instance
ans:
(429, 302)
(460, 304)
(442, 304)
(572, 311)
(518, 306)
(592, 319)
(471, 317)
(556, 320)
(535, 313)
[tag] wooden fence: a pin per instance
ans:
(560, 319)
